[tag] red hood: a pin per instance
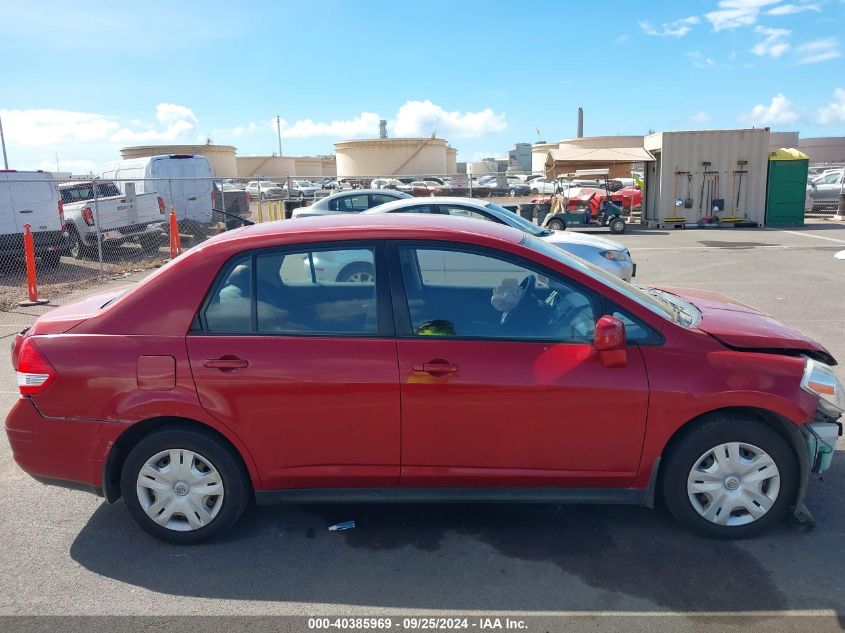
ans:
(741, 326)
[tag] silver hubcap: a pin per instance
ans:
(180, 490)
(733, 484)
(362, 278)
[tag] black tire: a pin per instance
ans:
(720, 429)
(76, 248)
(261, 196)
(512, 193)
(617, 226)
(224, 459)
(357, 269)
(150, 244)
(535, 191)
(556, 225)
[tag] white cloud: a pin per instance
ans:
(700, 117)
(50, 127)
(780, 110)
(735, 13)
(422, 118)
(789, 9)
(834, 112)
(677, 28)
(700, 60)
(819, 51)
(774, 42)
(178, 120)
(365, 124)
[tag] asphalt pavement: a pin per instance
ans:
(69, 553)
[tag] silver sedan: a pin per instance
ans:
(353, 201)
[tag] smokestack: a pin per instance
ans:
(382, 129)
(580, 123)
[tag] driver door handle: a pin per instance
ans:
(225, 363)
(435, 367)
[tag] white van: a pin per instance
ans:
(182, 180)
(30, 197)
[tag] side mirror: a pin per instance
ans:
(609, 342)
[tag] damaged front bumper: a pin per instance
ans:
(820, 437)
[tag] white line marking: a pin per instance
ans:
(818, 237)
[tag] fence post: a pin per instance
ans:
(97, 224)
(175, 240)
(31, 282)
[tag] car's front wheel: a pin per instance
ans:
(731, 476)
(184, 486)
(556, 225)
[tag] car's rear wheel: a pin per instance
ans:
(535, 191)
(730, 477)
(617, 225)
(360, 272)
(76, 247)
(184, 486)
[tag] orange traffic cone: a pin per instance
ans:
(31, 282)
(175, 240)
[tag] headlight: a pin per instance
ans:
(616, 256)
(820, 380)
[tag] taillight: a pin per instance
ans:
(88, 216)
(35, 373)
(161, 207)
(61, 212)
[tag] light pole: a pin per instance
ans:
(279, 132)
(3, 142)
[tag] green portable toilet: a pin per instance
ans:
(787, 188)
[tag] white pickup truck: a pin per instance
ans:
(118, 218)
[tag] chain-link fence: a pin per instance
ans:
(88, 234)
(825, 183)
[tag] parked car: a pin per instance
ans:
(353, 201)
(301, 189)
(542, 185)
(265, 190)
(823, 192)
(599, 251)
(113, 219)
(30, 197)
(615, 184)
(183, 180)
(234, 200)
(386, 183)
(231, 375)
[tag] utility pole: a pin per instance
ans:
(3, 142)
(279, 132)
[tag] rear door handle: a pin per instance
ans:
(225, 363)
(435, 367)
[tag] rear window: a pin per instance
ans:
(85, 191)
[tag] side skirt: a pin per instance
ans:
(617, 496)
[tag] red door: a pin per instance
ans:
(502, 388)
(302, 368)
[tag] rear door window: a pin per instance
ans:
(353, 204)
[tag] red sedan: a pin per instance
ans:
(475, 363)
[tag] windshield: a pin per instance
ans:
(669, 306)
(517, 221)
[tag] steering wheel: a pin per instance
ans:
(527, 285)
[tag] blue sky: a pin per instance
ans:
(82, 82)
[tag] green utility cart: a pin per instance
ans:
(786, 191)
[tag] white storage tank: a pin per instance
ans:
(539, 153)
(724, 149)
(391, 157)
(220, 157)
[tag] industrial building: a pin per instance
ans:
(823, 149)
